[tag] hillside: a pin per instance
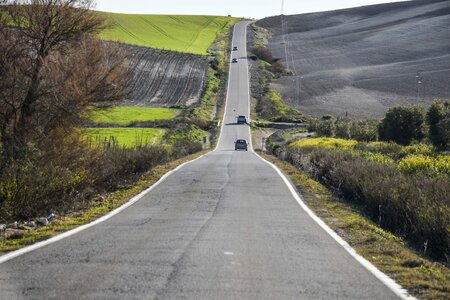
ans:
(190, 34)
(363, 60)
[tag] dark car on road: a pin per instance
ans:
(241, 120)
(235, 48)
(241, 144)
(234, 60)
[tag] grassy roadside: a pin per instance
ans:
(101, 205)
(422, 278)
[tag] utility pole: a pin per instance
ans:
(418, 82)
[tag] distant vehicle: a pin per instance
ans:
(241, 144)
(234, 60)
(241, 120)
(235, 48)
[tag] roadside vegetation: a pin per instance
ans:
(400, 181)
(423, 278)
(270, 105)
(192, 34)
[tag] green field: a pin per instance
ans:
(122, 115)
(191, 34)
(125, 137)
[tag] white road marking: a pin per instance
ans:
(389, 282)
(19, 252)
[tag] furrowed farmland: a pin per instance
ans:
(361, 61)
(164, 78)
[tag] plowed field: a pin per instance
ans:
(164, 78)
(363, 60)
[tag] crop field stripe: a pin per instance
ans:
(189, 81)
(205, 26)
(176, 19)
(130, 33)
(179, 87)
(157, 28)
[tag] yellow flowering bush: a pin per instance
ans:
(328, 143)
(419, 163)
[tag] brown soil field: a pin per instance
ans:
(361, 61)
(163, 78)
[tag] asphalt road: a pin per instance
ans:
(223, 227)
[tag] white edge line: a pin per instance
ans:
(228, 89)
(389, 282)
(248, 91)
(19, 252)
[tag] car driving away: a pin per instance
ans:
(235, 48)
(234, 60)
(241, 144)
(241, 120)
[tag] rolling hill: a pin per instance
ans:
(360, 61)
(190, 34)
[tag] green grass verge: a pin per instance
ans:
(98, 207)
(183, 33)
(213, 95)
(186, 133)
(422, 278)
(123, 115)
(125, 137)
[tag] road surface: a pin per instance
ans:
(223, 227)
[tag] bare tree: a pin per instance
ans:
(51, 68)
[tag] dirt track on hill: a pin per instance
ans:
(164, 78)
(363, 60)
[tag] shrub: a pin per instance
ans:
(326, 128)
(365, 130)
(329, 143)
(402, 124)
(413, 206)
(117, 166)
(67, 174)
(437, 112)
(444, 132)
(427, 165)
(52, 180)
(343, 128)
